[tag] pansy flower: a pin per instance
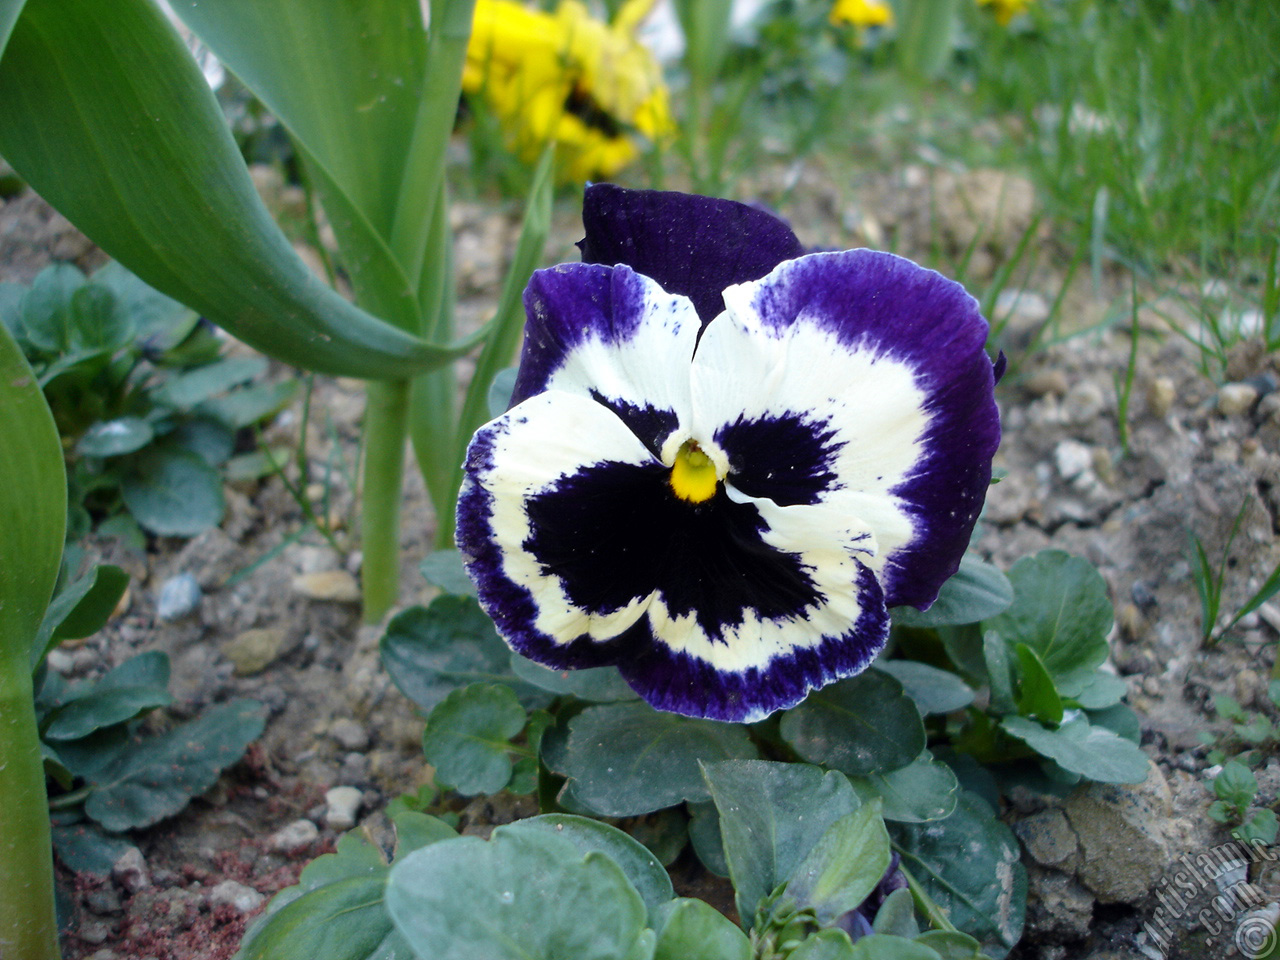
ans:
(726, 459)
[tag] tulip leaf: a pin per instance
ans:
(969, 866)
(626, 758)
(771, 815)
(865, 724)
(104, 112)
(522, 895)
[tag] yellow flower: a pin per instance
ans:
(861, 13)
(569, 78)
(1005, 10)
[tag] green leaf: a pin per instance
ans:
(500, 391)
(523, 895)
(771, 815)
(186, 390)
(158, 776)
(976, 592)
(212, 441)
(46, 308)
(33, 516)
(881, 947)
(249, 405)
(969, 866)
(594, 684)
(107, 116)
(84, 848)
(9, 11)
(704, 837)
(964, 648)
(825, 945)
(999, 672)
(429, 651)
(468, 737)
(693, 928)
(638, 863)
(1092, 752)
(897, 915)
(1261, 826)
(1036, 694)
(160, 322)
(104, 707)
(97, 323)
(81, 609)
(865, 724)
(627, 758)
(1060, 610)
(111, 438)
(173, 493)
(844, 866)
(1093, 690)
(933, 690)
(1235, 784)
(923, 790)
(1119, 719)
(951, 944)
(444, 569)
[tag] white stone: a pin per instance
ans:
(130, 871)
(1072, 459)
(179, 597)
(233, 894)
(1236, 398)
(294, 836)
(342, 805)
(349, 734)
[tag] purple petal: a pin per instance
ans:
(694, 246)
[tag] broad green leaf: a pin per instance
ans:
(595, 684)
(881, 947)
(693, 928)
(704, 836)
(186, 390)
(627, 758)
(1093, 752)
(9, 10)
(640, 866)
(429, 651)
(97, 323)
(33, 516)
(158, 776)
(1235, 784)
(770, 816)
(923, 790)
(951, 944)
(976, 592)
(999, 669)
(523, 895)
(865, 724)
(210, 440)
(444, 569)
(964, 647)
(83, 848)
(173, 493)
(468, 737)
(105, 113)
(1036, 694)
(969, 865)
(897, 915)
(1060, 610)
(161, 323)
(46, 308)
(251, 404)
(1119, 719)
(104, 707)
(81, 609)
(933, 690)
(111, 438)
(500, 391)
(1092, 689)
(825, 945)
(844, 866)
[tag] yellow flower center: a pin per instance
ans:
(693, 475)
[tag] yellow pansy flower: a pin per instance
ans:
(861, 13)
(567, 77)
(1005, 10)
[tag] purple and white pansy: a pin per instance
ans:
(726, 459)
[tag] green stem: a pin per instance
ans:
(385, 424)
(28, 926)
(936, 916)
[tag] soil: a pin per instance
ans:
(1192, 458)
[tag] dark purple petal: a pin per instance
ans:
(694, 246)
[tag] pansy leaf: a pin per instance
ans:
(83, 848)
(1036, 694)
(46, 308)
(921, 791)
(444, 569)
(161, 323)
(641, 867)
(1093, 752)
(1119, 719)
(865, 724)
(157, 776)
(81, 609)
(693, 928)
(969, 865)
(186, 390)
(897, 915)
(932, 689)
(111, 438)
(522, 895)
(429, 651)
(951, 944)
(97, 322)
(844, 866)
(173, 493)
(999, 672)
(504, 384)
(468, 737)
(1092, 689)
(770, 816)
(825, 945)
(963, 645)
(704, 837)
(879, 946)
(627, 758)
(595, 684)
(246, 406)
(977, 591)
(1060, 610)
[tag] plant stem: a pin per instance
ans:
(28, 926)
(385, 424)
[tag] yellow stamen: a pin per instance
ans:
(693, 475)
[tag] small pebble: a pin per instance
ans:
(1045, 382)
(1236, 398)
(95, 932)
(341, 806)
(130, 871)
(179, 597)
(253, 650)
(349, 734)
(335, 585)
(355, 768)
(1072, 459)
(1084, 403)
(233, 894)
(294, 836)
(1160, 396)
(104, 901)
